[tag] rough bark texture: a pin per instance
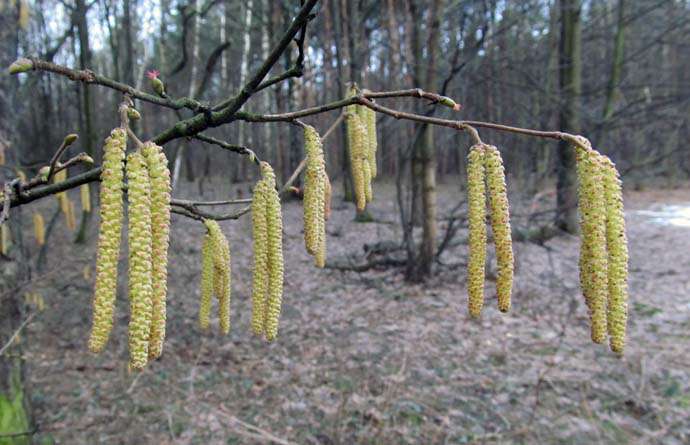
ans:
(570, 82)
(15, 413)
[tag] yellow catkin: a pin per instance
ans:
(500, 225)
(62, 197)
(85, 194)
(260, 273)
(39, 229)
(274, 229)
(225, 297)
(108, 238)
(372, 140)
(593, 255)
(159, 176)
(71, 215)
(206, 282)
(140, 288)
(220, 251)
(5, 240)
(356, 136)
(327, 197)
(617, 249)
(476, 203)
(315, 197)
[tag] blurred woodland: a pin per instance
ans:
(615, 71)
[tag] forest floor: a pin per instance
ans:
(366, 358)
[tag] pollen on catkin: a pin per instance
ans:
(356, 136)
(314, 189)
(327, 197)
(112, 176)
(617, 249)
(500, 225)
(140, 240)
(5, 239)
(71, 215)
(274, 229)
(593, 255)
(220, 252)
(39, 229)
(476, 203)
(85, 194)
(207, 273)
(315, 195)
(260, 272)
(159, 176)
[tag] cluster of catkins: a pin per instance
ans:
(317, 197)
(215, 276)
(362, 146)
(603, 249)
(267, 228)
(148, 191)
(485, 173)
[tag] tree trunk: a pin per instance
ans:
(570, 82)
(87, 104)
(15, 408)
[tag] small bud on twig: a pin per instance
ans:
(21, 65)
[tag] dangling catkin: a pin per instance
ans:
(500, 225)
(617, 247)
(274, 228)
(220, 251)
(373, 142)
(5, 239)
(476, 203)
(39, 229)
(593, 256)
(159, 176)
(260, 273)
(225, 297)
(108, 238)
(71, 214)
(206, 282)
(356, 136)
(315, 190)
(327, 198)
(140, 288)
(85, 197)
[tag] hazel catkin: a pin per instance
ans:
(207, 273)
(356, 136)
(140, 240)
(500, 225)
(315, 191)
(617, 249)
(593, 255)
(108, 238)
(85, 195)
(39, 229)
(476, 203)
(220, 253)
(159, 177)
(274, 229)
(260, 271)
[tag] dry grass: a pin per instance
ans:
(366, 358)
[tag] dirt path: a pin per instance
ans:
(365, 358)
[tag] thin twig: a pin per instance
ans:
(16, 333)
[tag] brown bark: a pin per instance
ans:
(570, 82)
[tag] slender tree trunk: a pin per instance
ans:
(616, 64)
(570, 82)
(425, 156)
(88, 135)
(15, 405)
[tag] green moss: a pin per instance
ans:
(13, 417)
